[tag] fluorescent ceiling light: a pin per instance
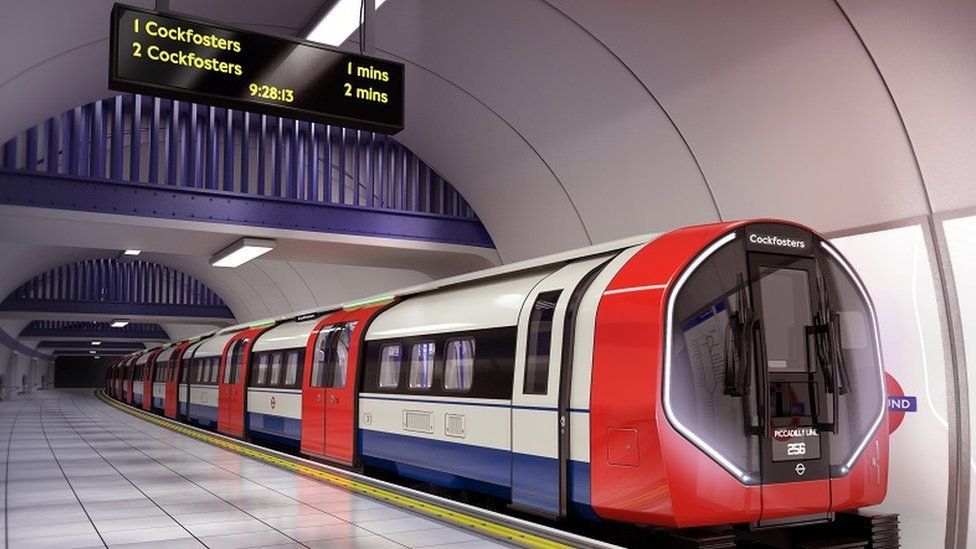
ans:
(120, 323)
(92, 352)
(96, 342)
(132, 252)
(337, 25)
(242, 251)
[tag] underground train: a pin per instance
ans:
(719, 374)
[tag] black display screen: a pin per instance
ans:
(179, 58)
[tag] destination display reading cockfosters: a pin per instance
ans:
(171, 56)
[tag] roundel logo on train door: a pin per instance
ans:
(273, 402)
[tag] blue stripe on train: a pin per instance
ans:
(466, 466)
(203, 415)
(158, 402)
(279, 429)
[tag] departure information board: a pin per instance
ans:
(171, 56)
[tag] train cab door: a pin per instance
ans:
(541, 422)
(313, 384)
(792, 391)
(232, 383)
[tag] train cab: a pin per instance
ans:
(204, 371)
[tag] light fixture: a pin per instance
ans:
(120, 323)
(96, 342)
(92, 352)
(340, 22)
(132, 252)
(242, 251)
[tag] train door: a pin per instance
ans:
(232, 396)
(793, 391)
(150, 372)
(341, 375)
(540, 417)
(172, 382)
(313, 385)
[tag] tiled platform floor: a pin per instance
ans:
(78, 473)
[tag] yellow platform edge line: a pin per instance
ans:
(457, 518)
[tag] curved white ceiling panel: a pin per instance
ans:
(779, 101)
(926, 52)
(607, 143)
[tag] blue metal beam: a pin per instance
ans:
(156, 310)
(92, 330)
(86, 345)
(64, 192)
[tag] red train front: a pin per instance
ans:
(737, 377)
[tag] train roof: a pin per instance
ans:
(476, 276)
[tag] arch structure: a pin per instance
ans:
(112, 290)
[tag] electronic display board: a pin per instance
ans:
(172, 56)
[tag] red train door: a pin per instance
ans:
(127, 383)
(341, 385)
(232, 391)
(313, 386)
(172, 381)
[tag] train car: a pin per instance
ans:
(202, 387)
(274, 385)
(719, 374)
(149, 372)
(128, 381)
(140, 369)
(159, 371)
(188, 372)
(174, 373)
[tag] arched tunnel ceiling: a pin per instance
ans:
(565, 122)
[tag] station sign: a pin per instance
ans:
(172, 56)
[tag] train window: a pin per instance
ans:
(422, 365)
(322, 344)
(214, 368)
(276, 360)
(786, 314)
(341, 363)
(859, 375)
(237, 364)
(390, 366)
(710, 385)
(185, 372)
(291, 368)
(260, 375)
(538, 351)
(459, 365)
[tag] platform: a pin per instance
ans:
(79, 473)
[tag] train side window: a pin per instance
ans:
(276, 360)
(341, 365)
(317, 379)
(538, 351)
(261, 370)
(459, 365)
(205, 370)
(185, 372)
(390, 366)
(422, 365)
(291, 368)
(214, 368)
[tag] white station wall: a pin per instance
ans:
(894, 265)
